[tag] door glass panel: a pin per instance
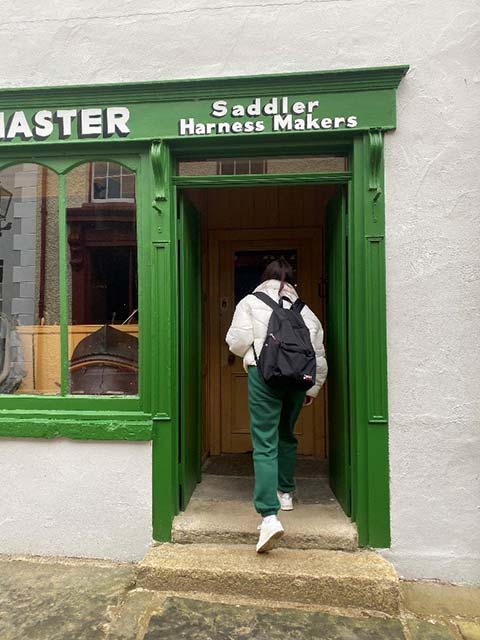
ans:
(102, 280)
(250, 166)
(29, 304)
(250, 265)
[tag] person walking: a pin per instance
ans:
(274, 409)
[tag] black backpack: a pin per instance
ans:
(287, 358)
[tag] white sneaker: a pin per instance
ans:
(270, 531)
(286, 501)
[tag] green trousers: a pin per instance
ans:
(273, 413)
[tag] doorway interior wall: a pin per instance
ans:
(242, 230)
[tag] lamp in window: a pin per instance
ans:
(5, 200)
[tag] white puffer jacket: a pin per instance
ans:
(250, 322)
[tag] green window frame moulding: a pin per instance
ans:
(80, 417)
(152, 147)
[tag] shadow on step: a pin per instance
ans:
(241, 464)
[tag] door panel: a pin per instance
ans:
(235, 434)
(190, 360)
(337, 350)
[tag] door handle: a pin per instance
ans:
(223, 306)
(231, 359)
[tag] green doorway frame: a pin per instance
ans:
(366, 304)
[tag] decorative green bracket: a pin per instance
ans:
(159, 159)
(376, 149)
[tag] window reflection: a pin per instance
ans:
(111, 181)
(29, 281)
(251, 166)
(103, 286)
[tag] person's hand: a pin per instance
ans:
(308, 401)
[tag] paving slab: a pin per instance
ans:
(470, 630)
(441, 600)
(308, 526)
(48, 600)
(188, 618)
(131, 617)
(423, 630)
(362, 580)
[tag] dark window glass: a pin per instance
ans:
(250, 265)
(249, 166)
(103, 286)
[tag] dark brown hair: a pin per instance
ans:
(279, 269)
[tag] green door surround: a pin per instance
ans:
(339, 449)
(151, 148)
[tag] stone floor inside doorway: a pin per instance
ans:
(221, 508)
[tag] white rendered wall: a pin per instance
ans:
(433, 199)
(71, 498)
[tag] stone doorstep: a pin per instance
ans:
(357, 580)
(311, 526)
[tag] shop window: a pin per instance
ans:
(30, 305)
(252, 166)
(102, 280)
(111, 182)
(96, 324)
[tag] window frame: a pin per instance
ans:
(92, 182)
(86, 416)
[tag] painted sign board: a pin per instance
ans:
(224, 117)
(138, 112)
(62, 124)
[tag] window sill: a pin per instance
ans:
(85, 425)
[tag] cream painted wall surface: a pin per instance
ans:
(432, 204)
(71, 498)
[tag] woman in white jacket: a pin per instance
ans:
(273, 412)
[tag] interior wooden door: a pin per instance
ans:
(241, 261)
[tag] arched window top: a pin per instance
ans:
(62, 165)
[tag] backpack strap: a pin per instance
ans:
(285, 299)
(298, 305)
(271, 303)
(268, 300)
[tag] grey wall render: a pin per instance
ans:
(79, 499)
(432, 199)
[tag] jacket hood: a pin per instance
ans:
(272, 287)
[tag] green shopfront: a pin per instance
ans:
(103, 288)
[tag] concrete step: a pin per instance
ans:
(360, 580)
(306, 527)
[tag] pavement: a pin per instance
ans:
(60, 599)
